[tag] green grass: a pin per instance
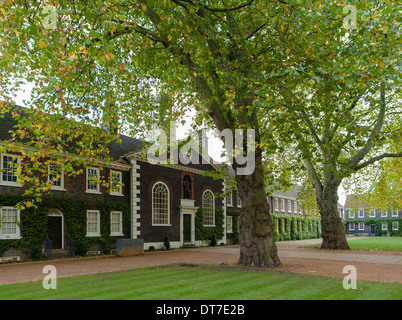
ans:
(373, 243)
(175, 282)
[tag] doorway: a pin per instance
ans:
(55, 228)
(186, 228)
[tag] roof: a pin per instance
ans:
(355, 200)
(116, 149)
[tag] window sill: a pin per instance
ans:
(58, 189)
(10, 184)
(93, 192)
(11, 237)
(116, 194)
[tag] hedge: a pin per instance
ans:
(285, 227)
(288, 227)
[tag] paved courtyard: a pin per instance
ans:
(372, 266)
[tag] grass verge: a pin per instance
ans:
(184, 282)
(372, 243)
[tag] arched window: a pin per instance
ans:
(208, 204)
(160, 204)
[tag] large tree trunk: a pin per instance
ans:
(257, 245)
(332, 228)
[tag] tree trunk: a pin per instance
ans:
(332, 228)
(257, 245)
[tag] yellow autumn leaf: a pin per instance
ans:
(42, 44)
(169, 37)
(381, 64)
(72, 56)
(109, 56)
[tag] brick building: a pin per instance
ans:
(143, 200)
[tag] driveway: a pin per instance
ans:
(370, 266)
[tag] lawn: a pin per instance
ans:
(183, 282)
(373, 243)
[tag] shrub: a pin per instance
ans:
(80, 248)
(151, 249)
(213, 241)
(36, 252)
(166, 243)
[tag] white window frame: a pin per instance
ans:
(289, 206)
(9, 183)
(213, 208)
(168, 205)
(54, 187)
(397, 225)
(120, 191)
(276, 208)
(295, 207)
(395, 213)
(372, 213)
(17, 234)
(120, 223)
(384, 214)
(352, 226)
(238, 200)
(97, 191)
(97, 232)
(229, 199)
(361, 228)
(384, 223)
(229, 224)
(282, 205)
(361, 213)
(350, 214)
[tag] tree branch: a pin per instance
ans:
(375, 159)
(219, 9)
(369, 144)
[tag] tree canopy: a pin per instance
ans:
(311, 74)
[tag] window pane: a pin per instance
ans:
(160, 204)
(115, 182)
(55, 174)
(92, 222)
(8, 221)
(93, 176)
(116, 222)
(8, 168)
(208, 206)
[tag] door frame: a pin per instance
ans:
(187, 207)
(190, 226)
(58, 213)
